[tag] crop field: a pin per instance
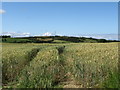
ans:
(69, 65)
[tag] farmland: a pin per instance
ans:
(63, 65)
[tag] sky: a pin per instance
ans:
(63, 18)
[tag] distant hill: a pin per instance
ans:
(53, 39)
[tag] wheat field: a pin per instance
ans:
(70, 65)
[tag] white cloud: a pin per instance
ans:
(47, 34)
(103, 36)
(14, 34)
(2, 11)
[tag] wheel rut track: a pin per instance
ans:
(68, 81)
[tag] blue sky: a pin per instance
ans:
(64, 18)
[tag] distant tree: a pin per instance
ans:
(102, 40)
(5, 36)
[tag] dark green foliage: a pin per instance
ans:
(102, 40)
(50, 39)
(60, 49)
(112, 81)
(66, 38)
(32, 53)
(5, 36)
(15, 40)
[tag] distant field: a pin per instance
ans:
(63, 65)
